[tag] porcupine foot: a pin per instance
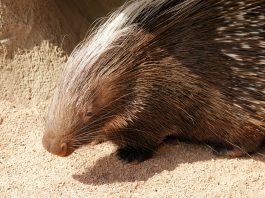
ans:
(247, 147)
(235, 152)
(130, 154)
(232, 151)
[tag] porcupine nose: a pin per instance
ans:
(55, 146)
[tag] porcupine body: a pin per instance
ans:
(194, 69)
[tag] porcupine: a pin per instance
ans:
(193, 69)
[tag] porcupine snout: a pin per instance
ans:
(56, 145)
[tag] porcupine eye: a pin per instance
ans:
(85, 115)
(89, 114)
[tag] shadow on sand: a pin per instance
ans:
(111, 170)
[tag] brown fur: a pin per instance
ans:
(184, 72)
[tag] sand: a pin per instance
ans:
(34, 44)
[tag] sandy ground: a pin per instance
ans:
(29, 66)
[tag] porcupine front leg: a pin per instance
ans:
(135, 145)
(130, 153)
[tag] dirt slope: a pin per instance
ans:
(35, 40)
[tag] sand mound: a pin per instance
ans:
(36, 36)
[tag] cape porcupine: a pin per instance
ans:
(190, 68)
